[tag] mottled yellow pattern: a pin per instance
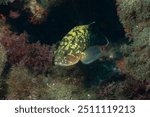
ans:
(72, 46)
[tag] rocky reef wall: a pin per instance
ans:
(135, 17)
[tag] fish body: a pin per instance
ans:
(74, 47)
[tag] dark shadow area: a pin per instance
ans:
(64, 17)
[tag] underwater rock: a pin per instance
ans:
(133, 12)
(137, 54)
(129, 88)
(135, 17)
(23, 85)
(61, 90)
(3, 58)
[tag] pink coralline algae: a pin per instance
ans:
(39, 57)
(35, 56)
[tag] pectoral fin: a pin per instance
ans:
(90, 55)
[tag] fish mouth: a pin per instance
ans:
(60, 62)
(66, 61)
(64, 64)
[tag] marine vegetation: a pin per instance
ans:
(125, 90)
(132, 13)
(23, 85)
(36, 57)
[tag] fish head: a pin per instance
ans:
(66, 58)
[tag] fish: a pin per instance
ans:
(75, 47)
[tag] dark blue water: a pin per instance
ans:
(65, 16)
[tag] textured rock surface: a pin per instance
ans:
(2, 58)
(135, 17)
